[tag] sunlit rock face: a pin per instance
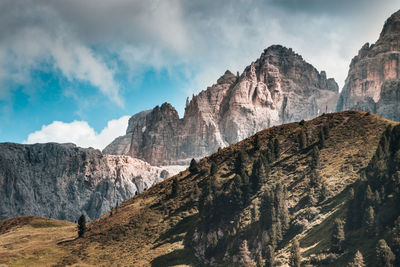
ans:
(278, 87)
(63, 181)
(372, 83)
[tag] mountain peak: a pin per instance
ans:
(228, 77)
(392, 25)
(278, 49)
(267, 93)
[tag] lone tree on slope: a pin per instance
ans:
(174, 188)
(193, 168)
(82, 226)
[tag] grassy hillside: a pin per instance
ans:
(27, 241)
(284, 183)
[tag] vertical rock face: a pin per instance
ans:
(372, 83)
(278, 87)
(63, 181)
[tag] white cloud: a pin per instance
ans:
(176, 34)
(79, 133)
(42, 39)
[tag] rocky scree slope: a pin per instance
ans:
(373, 81)
(277, 88)
(248, 202)
(63, 181)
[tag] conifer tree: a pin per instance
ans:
(302, 139)
(273, 235)
(396, 239)
(315, 164)
(258, 176)
(237, 194)
(281, 206)
(245, 259)
(269, 256)
(277, 149)
(384, 255)
(259, 260)
(369, 196)
(214, 239)
(82, 225)
(271, 150)
(358, 260)
(268, 155)
(338, 236)
(324, 192)
(265, 220)
(196, 193)
(257, 143)
(312, 197)
(246, 187)
(295, 255)
(193, 168)
(377, 198)
(351, 215)
(240, 162)
(315, 179)
(321, 136)
(325, 129)
(370, 220)
(213, 168)
(174, 188)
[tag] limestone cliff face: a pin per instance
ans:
(278, 87)
(63, 181)
(372, 83)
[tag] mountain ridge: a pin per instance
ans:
(278, 87)
(162, 228)
(63, 181)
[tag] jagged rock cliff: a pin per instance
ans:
(373, 80)
(63, 181)
(278, 87)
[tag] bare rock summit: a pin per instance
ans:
(277, 88)
(373, 81)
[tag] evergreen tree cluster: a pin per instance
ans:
(217, 204)
(221, 203)
(323, 134)
(373, 203)
(272, 152)
(274, 212)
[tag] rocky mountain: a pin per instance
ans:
(373, 81)
(323, 192)
(277, 88)
(63, 181)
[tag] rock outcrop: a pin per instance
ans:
(373, 81)
(63, 181)
(278, 87)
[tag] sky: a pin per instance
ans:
(75, 71)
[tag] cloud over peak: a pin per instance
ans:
(79, 133)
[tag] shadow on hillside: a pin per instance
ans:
(176, 257)
(182, 231)
(181, 227)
